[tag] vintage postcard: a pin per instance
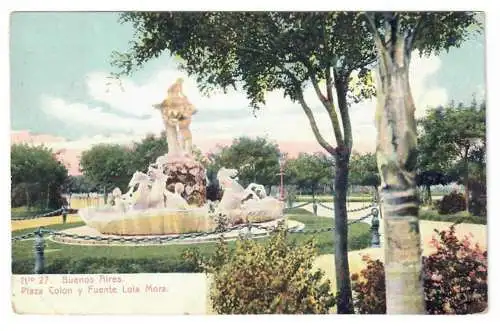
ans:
(248, 163)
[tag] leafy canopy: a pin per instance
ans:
(451, 134)
(363, 170)
(260, 52)
(107, 166)
(148, 150)
(256, 159)
(308, 171)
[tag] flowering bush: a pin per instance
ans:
(368, 288)
(455, 279)
(267, 277)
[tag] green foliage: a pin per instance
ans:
(80, 184)
(455, 279)
(452, 141)
(308, 171)
(430, 32)
(257, 160)
(275, 277)
(368, 286)
(263, 51)
(97, 265)
(37, 177)
(460, 217)
(147, 151)
(107, 166)
(451, 203)
(363, 170)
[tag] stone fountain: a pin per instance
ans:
(170, 198)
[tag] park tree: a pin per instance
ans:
(147, 151)
(37, 177)
(107, 166)
(256, 160)
(259, 52)
(453, 136)
(433, 161)
(308, 171)
(363, 171)
(79, 184)
(396, 35)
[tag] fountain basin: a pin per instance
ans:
(160, 221)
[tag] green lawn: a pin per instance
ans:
(329, 198)
(20, 212)
(62, 258)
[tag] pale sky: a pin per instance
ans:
(59, 86)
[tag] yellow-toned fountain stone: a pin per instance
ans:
(148, 222)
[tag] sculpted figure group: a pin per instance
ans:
(149, 191)
(176, 112)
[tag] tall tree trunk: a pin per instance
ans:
(466, 179)
(429, 194)
(342, 275)
(396, 158)
(48, 197)
(27, 193)
(105, 196)
(375, 195)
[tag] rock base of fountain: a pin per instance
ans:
(189, 172)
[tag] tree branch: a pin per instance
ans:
(329, 148)
(329, 85)
(300, 96)
(328, 75)
(413, 36)
(341, 89)
(329, 106)
(376, 34)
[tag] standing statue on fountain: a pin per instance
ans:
(176, 111)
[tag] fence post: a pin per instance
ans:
(64, 213)
(249, 230)
(374, 229)
(39, 248)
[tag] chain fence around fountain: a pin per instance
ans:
(371, 205)
(39, 240)
(41, 231)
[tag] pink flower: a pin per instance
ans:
(436, 277)
(481, 268)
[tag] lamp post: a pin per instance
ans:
(282, 167)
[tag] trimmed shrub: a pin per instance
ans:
(270, 277)
(451, 203)
(455, 279)
(107, 266)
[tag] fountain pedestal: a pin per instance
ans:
(191, 173)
